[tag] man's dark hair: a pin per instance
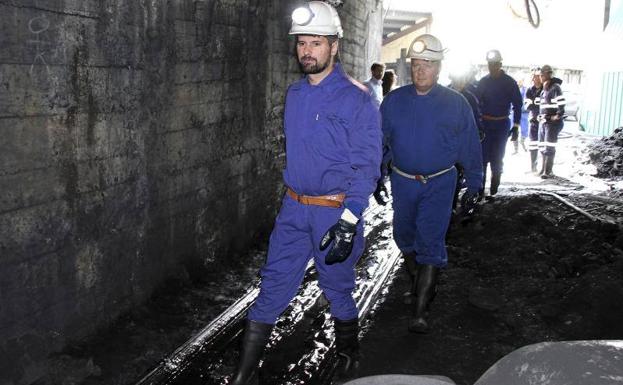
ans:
(377, 65)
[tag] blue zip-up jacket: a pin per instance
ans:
(429, 133)
(496, 95)
(333, 139)
(551, 101)
(532, 101)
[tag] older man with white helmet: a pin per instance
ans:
(428, 128)
(333, 156)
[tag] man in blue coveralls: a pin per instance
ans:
(497, 92)
(333, 157)
(428, 128)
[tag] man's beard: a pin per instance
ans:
(312, 66)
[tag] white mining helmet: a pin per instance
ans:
(426, 47)
(494, 56)
(316, 18)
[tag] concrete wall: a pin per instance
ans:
(138, 140)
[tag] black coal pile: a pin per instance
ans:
(607, 155)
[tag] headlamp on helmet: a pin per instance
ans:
(426, 47)
(302, 15)
(316, 18)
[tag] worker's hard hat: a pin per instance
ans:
(494, 56)
(546, 69)
(426, 47)
(316, 18)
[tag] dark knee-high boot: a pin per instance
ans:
(411, 268)
(533, 159)
(347, 346)
(426, 286)
(543, 161)
(495, 182)
(548, 165)
(254, 341)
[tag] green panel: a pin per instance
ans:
(608, 115)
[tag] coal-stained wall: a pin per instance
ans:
(138, 140)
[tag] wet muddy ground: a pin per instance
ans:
(527, 269)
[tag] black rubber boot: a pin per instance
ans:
(254, 341)
(347, 346)
(543, 161)
(411, 269)
(533, 160)
(548, 162)
(495, 183)
(426, 290)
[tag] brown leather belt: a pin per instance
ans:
(320, 200)
(490, 117)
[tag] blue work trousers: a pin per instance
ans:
(534, 134)
(494, 145)
(421, 216)
(293, 242)
(548, 137)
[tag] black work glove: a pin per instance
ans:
(481, 135)
(378, 193)
(343, 235)
(469, 202)
(514, 133)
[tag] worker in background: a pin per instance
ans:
(375, 83)
(389, 81)
(533, 95)
(460, 82)
(551, 118)
(523, 125)
(497, 92)
(428, 128)
(472, 83)
(333, 156)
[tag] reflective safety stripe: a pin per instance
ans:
(543, 106)
(533, 144)
(537, 101)
(548, 144)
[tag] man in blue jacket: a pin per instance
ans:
(428, 128)
(333, 156)
(497, 92)
(551, 116)
(531, 102)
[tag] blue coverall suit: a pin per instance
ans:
(426, 134)
(333, 145)
(551, 103)
(496, 95)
